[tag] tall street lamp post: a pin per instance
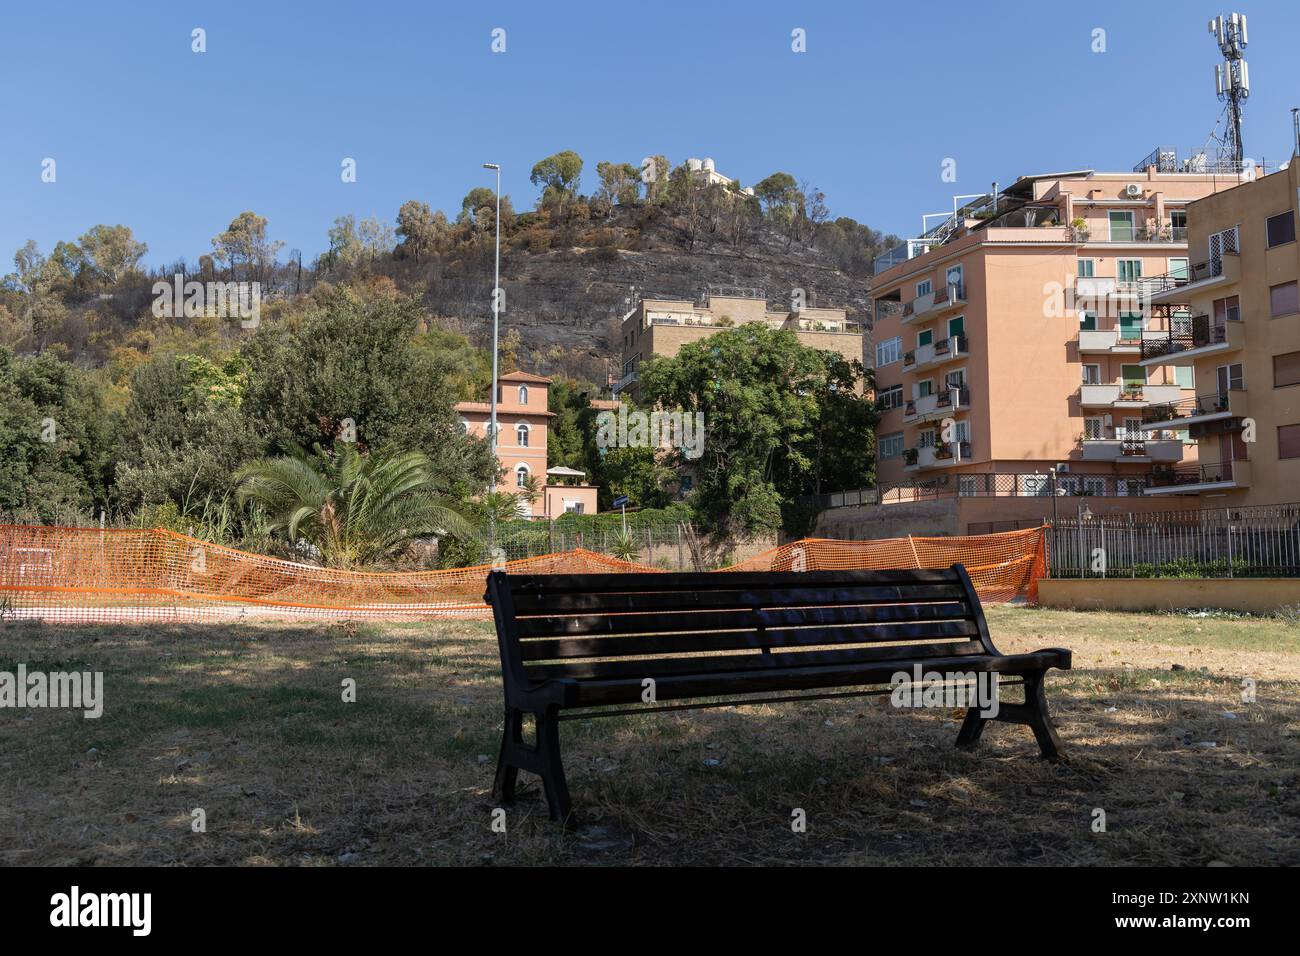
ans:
(496, 316)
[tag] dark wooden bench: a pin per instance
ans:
(580, 646)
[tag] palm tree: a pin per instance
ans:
(354, 508)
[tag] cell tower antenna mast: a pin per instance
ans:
(1231, 77)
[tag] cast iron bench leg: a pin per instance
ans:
(1033, 713)
(503, 791)
(1040, 720)
(543, 759)
(550, 768)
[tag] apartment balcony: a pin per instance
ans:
(939, 404)
(1187, 412)
(935, 354)
(932, 303)
(627, 381)
(1108, 342)
(945, 455)
(1196, 479)
(1127, 396)
(1184, 346)
(1178, 286)
(1138, 450)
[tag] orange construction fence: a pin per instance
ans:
(93, 575)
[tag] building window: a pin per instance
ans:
(925, 388)
(1227, 310)
(967, 486)
(1095, 487)
(925, 439)
(521, 434)
(1130, 326)
(923, 288)
(1121, 225)
(1184, 376)
(1283, 299)
(1092, 375)
(1086, 268)
(1128, 271)
(1178, 268)
(1281, 228)
(573, 507)
(1288, 441)
(891, 446)
(523, 394)
(1087, 321)
(1286, 369)
(891, 397)
(924, 338)
(889, 351)
(687, 483)
(1230, 378)
(1178, 225)
(521, 476)
(1092, 429)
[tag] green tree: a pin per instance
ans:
(776, 416)
(182, 434)
(245, 241)
(354, 509)
(420, 230)
(56, 441)
(619, 184)
(559, 176)
(351, 368)
(111, 252)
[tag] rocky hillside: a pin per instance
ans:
(564, 301)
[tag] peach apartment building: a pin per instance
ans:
(659, 326)
(1007, 340)
(523, 420)
(1241, 341)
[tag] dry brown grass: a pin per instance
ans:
(247, 722)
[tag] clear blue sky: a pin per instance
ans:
(176, 144)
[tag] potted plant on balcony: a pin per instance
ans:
(1079, 228)
(909, 456)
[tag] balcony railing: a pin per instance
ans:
(1212, 404)
(945, 400)
(1203, 332)
(1214, 473)
(951, 347)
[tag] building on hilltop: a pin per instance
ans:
(659, 326)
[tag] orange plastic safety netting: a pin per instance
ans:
(89, 575)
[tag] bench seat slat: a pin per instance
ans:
(624, 601)
(656, 667)
(660, 623)
(623, 645)
(683, 686)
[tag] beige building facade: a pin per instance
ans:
(523, 420)
(1241, 343)
(1008, 340)
(659, 327)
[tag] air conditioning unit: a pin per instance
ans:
(1133, 190)
(1062, 469)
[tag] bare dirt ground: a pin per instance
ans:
(246, 723)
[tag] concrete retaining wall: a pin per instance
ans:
(1256, 595)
